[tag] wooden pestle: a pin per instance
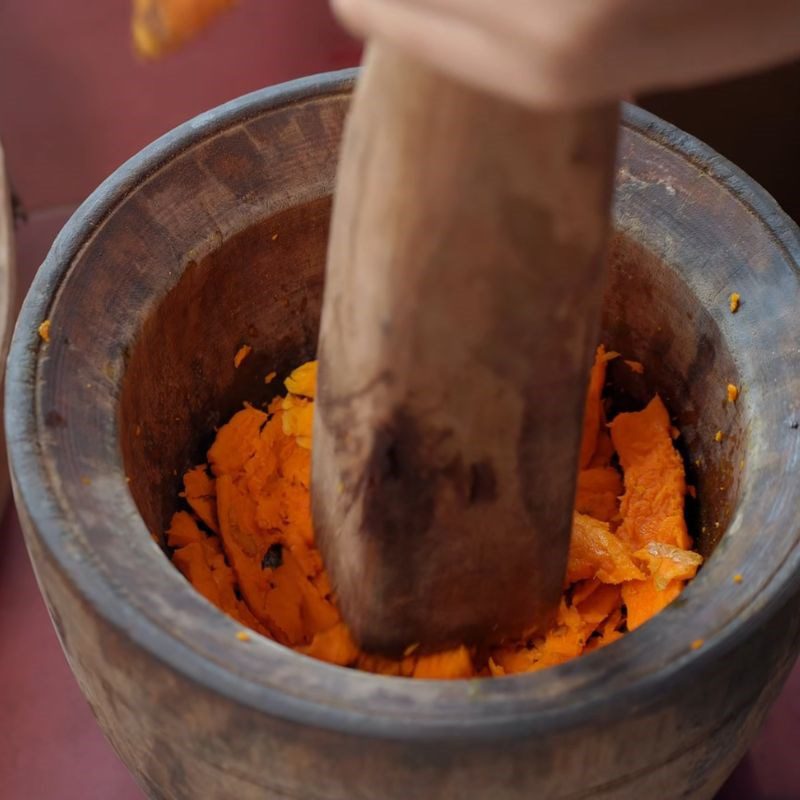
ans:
(461, 311)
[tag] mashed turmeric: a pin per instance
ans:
(247, 543)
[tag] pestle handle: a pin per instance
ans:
(462, 303)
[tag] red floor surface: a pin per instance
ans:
(74, 104)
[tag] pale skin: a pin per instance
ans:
(569, 53)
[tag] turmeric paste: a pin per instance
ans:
(247, 544)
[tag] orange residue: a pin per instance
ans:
(734, 301)
(247, 542)
(732, 393)
(270, 377)
(44, 331)
(635, 366)
(719, 436)
(160, 26)
(241, 355)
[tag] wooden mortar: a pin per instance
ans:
(215, 236)
(8, 304)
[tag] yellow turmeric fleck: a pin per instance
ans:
(734, 302)
(697, 644)
(719, 436)
(243, 636)
(86, 481)
(733, 393)
(738, 577)
(241, 355)
(44, 331)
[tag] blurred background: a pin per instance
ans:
(75, 102)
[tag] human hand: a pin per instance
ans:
(577, 52)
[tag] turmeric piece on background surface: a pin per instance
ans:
(161, 26)
(241, 355)
(246, 542)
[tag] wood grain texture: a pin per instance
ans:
(464, 286)
(173, 256)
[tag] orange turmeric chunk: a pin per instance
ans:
(584, 589)
(564, 641)
(607, 633)
(379, 665)
(200, 492)
(236, 442)
(183, 530)
(298, 413)
(652, 507)
(191, 561)
(603, 451)
(598, 493)
(303, 381)
(666, 563)
(446, 665)
(241, 355)
(593, 413)
(599, 605)
(160, 26)
(596, 552)
(336, 646)
(644, 600)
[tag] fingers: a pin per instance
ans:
(532, 20)
(518, 68)
(563, 53)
